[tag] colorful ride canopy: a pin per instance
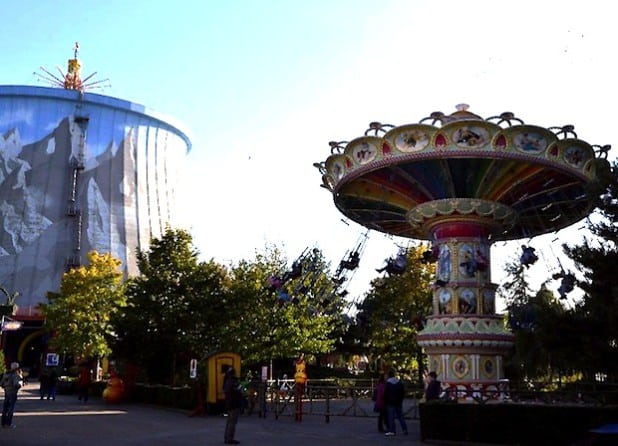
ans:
(519, 180)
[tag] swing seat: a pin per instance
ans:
(429, 257)
(349, 264)
(338, 280)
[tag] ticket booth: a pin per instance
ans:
(218, 363)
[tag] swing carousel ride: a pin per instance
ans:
(463, 182)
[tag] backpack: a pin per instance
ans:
(10, 382)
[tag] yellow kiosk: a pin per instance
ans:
(218, 363)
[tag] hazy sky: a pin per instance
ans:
(263, 87)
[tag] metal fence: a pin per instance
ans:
(332, 398)
(325, 398)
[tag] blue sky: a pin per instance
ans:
(263, 87)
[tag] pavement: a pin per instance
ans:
(67, 422)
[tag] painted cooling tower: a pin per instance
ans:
(79, 172)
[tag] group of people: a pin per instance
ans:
(388, 401)
(47, 383)
(388, 397)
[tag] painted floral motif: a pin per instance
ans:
(411, 140)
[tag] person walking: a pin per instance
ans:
(52, 384)
(233, 403)
(44, 383)
(83, 382)
(394, 393)
(380, 405)
(11, 383)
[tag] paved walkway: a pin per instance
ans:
(67, 422)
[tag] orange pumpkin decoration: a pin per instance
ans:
(114, 391)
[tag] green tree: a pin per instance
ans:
(516, 289)
(262, 326)
(393, 311)
(79, 315)
(597, 313)
(177, 308)
(553, 340)
(522, 317)
(534, 320)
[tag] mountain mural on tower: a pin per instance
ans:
(51, 212)
(79, 172)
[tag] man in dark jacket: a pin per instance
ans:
(233, 402)
(394, 394)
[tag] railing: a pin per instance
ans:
(338, 398)
(324, 398)
(538, 393)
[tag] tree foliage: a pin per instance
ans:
(555, 340)
(177, 307)
(393, 311)
(80, 314)
(183, 308)
(534, 319)
(262, 327)
(597, 314)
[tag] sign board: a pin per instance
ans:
(52, 360)
(193, 369)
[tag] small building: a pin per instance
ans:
(218, 364)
